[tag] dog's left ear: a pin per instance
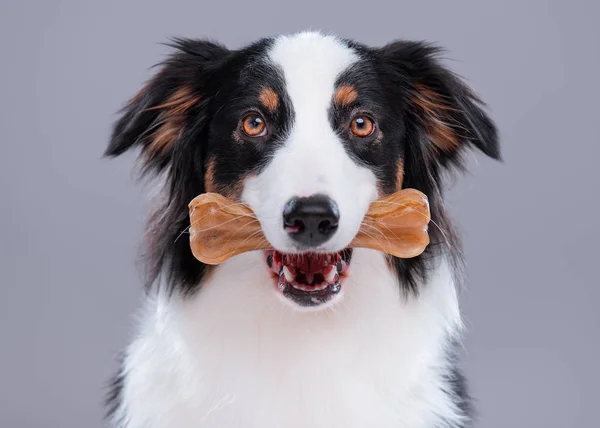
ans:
(157, 118)
(448, 113)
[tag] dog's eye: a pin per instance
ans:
(253, 125)
(362, 126)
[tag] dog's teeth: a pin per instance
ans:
(289, 276)
(330, 276)
(300, 287)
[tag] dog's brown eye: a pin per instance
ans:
(362, 126)
(254, 125)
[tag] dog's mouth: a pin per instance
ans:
(309, 279)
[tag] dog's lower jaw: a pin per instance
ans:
(234, 356)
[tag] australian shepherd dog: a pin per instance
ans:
(307, 130)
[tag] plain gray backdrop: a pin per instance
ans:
(71, 222)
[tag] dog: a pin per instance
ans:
(306, 129)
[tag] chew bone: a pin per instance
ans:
(221, 228)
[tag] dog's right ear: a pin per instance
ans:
(157, 117)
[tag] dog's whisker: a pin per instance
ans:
(186, 230)
(376, 229)
(382, 222)
(446, 240)
(250, 215)
(373, 237)
(261, 241)
(227, 222)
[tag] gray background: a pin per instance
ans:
(71, 222)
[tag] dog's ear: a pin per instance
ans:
(449, 115)
(167, 120)
(155, 119)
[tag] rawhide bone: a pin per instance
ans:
(221, 228)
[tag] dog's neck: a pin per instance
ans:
(236, 352)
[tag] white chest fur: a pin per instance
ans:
(235, 356)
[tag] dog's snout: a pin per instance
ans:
(311, 221)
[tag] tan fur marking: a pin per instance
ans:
(434, 109)
(380, 189)
(171, 120)
(345, 95)
(179, 102)
(233, 192)
(399, 175)
(209, 177)
(269, 98)
(165, 134)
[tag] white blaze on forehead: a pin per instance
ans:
(312, 159)
(311, 64)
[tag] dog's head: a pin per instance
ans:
(307, 130)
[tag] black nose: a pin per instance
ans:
(311, 221)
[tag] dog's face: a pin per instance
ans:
(317, 165)
(307, 130)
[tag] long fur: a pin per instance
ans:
(216, 347)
